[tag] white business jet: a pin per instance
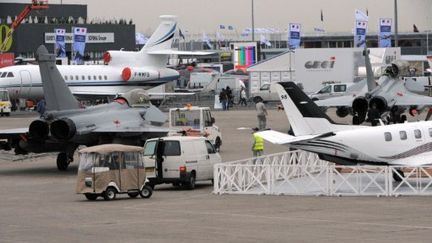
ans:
(406, 144)
(122, 72)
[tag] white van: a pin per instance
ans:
(180, 160)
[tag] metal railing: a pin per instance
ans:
(303, 173)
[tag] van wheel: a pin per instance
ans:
(191, 182)
(8, 114)
(109, 194)
(133, 194)
(146, 192)
(91, 196)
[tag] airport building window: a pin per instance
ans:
(403, 135)
(4, 74)
(387, 136)
(10, 75)
(417, 133)
(430, 132)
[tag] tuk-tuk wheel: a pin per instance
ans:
(109, 194)
(133, 194)
(146, 192)
(91, 196)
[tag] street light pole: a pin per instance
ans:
(253, 22)
(396, 23)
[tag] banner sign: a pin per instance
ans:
(385, 32)
(60, 44)
(294, 36)
(360, 34)
(91, 38)
(78, 46)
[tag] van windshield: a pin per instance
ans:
(4, 95)
(190, 118)
(149, 148)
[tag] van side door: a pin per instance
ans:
(213, 156)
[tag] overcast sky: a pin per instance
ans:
(206, 15)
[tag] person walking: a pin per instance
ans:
(243, 97)
(223, 98)
(40, 107)
(261, 114)
(229, 97)
(258, 144)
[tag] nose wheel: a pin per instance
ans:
(63, 161)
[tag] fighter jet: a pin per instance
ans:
(129, 119)
(390, 95)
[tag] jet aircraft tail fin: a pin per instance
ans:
(371, 84)
(163, 36)
(56, 92)
(304, 116)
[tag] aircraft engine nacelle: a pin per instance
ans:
(360, 105)
(380, 103)
(139, 74)
(119, 58)
(342, 111)
(397, 68)
(38, 129)
(63, 129)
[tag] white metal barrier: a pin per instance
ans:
(303, 173)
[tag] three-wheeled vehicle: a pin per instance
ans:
(108, 169)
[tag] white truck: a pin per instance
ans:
(195, 121)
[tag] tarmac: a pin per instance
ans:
(39, 204)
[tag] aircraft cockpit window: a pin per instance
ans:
(10, 75)
(4, 74)
(417, 133)
(387, 136)
(403, 135)
(430, 132)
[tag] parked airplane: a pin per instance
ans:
(390, 95)
(130, 119)
(404, 144)
(123, 70)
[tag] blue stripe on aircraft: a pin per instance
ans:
(162, 39)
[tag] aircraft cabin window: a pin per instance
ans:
(65, 77)
(76, 77)
(0, 74)
(94, 77)
(10, 75)
(105, 77)
(417, 133)
(430, 132)
(403, 135)
(100, 77)
(89, 77)
(4, 74)
(387, 136)
(71, 77)
(82, 77)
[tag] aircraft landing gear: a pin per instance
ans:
(63, 161)
(398, 175)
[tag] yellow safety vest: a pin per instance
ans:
(259, 143)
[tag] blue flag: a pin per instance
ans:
(294, 36)
(60, 44)
(79, 37)
(385, 32)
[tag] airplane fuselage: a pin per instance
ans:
(398, 144)
(25, 81)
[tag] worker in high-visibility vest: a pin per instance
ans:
(258, 145)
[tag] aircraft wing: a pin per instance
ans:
(283, 138)
(13, 132)
(345, 100)
(86, 94)
(415, 160)
(410, 99)
(140, 129)
(184, 53)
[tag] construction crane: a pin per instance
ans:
(36, 5)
